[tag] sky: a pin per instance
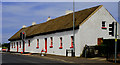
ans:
(17, 14)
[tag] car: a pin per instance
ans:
(4, 50)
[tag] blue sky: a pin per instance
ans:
(17, 14)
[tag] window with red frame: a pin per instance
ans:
(103, 25)
(72, 41)
(14, 44)
(51, 46)
(20, 44)
(28, 42)
(37, 43)
(61, 43)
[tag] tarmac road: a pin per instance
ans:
(16, 59)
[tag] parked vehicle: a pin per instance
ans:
(4, 50)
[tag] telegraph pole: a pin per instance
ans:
(73, 27)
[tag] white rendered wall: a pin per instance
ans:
(66, 40)
(91, 30)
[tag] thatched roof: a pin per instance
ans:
(60, 23)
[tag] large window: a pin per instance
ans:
(37, 43)
(72, 41)
(20, 44)
(28, 42)
(61, 44)
(14, 44)
(51, 44)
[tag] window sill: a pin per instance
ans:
(51, 46)
(71, 47)
(104, 27)
(60, 47)
(37, 47)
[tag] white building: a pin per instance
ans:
(55, 35)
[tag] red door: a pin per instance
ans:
(17, 46)
(46, 45)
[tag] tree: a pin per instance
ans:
(5, 45)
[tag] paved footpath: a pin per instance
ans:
(75, 59)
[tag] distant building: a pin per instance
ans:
(56, 35)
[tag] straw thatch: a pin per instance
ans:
(60, 23)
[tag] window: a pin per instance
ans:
(20, 44)
(103, 25)
(28, 42)
(60, 43)
(72, 42)
(14, 44)
(37, 43)
(51, 46)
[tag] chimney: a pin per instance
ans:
(23, 26)
(48, 18)
(68, 12)
(33, 23)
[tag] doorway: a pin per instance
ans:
(17, 46)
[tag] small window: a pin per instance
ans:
(20, 44)
(103, 25)
(14, 44)
(28, 42)
(72, 42)
(61, 43)
(51, 46)
(37, 43)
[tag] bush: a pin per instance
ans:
(4, 47)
